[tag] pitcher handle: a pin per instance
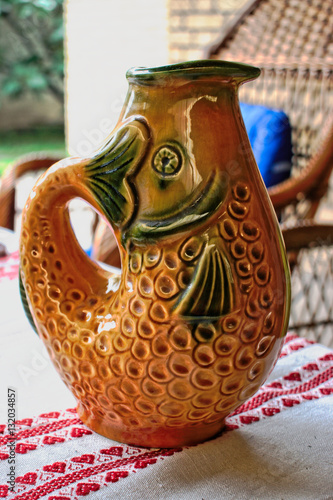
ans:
(56, 273)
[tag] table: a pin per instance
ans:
(278, 445)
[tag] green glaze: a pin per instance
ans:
(25, 303)
(160, 355)
(195, 70)
(192, 212)
(108, 172)
(212, 292)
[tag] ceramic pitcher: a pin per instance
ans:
(160, 354)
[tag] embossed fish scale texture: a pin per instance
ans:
(161, 354)
(129, 360)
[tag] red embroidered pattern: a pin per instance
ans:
(45, 418)
(294, 343)
(46, 429)
(59, 475)
(80, 475)
(9, 269)
(297, 387)
(42, 429)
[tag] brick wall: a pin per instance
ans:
(194, 25)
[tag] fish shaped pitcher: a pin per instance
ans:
(160, 354)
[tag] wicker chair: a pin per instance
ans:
(104, 244)
(291, 41)
(105, 247)
(310, 254)
(34, 162)
(10, 207)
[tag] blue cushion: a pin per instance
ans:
(269, 132)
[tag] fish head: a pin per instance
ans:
(163, 174)
(182, 181)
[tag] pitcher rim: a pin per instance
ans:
(194, 69)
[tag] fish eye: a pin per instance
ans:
(167, 161)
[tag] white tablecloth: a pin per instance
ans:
(276, 446)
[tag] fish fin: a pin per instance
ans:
(210, 294)
(26, 304)
(201, 205)
(108, 172)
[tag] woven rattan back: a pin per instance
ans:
(280, 31)
(310, 254)
(292, 42)
(35, 162)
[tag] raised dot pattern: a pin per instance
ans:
(123, 357)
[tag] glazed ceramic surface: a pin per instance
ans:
(160, 355)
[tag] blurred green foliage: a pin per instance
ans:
(31, 47)
(17, 143)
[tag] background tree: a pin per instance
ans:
(31, 47)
